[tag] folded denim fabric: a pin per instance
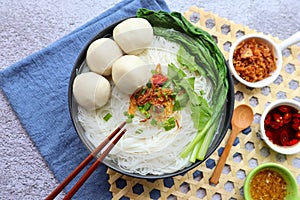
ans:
(37, 89)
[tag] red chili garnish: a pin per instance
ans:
(159, 79)
(296, 121)
(274, 125)
(296, 127)
(144, 120)
(284, 138)
(282, 125)
(293, 142)
(296, 115)
(287, 117)
(278, 119)
(269, 134)
(268, 119)
(284, 109)
(298, 135)
(177, 124)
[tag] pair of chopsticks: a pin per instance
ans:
(76, 187)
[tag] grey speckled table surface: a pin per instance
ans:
(27, 26)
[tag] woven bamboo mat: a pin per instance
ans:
(248, 150)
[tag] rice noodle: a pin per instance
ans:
(154, 151)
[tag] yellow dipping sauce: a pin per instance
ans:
(268, 184)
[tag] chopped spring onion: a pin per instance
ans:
(129, 117)
(139, 131)
(107, 117)
(169, 124)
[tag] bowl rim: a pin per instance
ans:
(228, 105)
(291, 180)
(277, 53)
(288, 150)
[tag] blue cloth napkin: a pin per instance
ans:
(37, 89)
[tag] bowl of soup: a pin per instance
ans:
(175, 99)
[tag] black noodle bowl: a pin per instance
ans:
(227, 111)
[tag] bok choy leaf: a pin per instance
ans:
(200, 54)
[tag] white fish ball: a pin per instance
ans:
(91, 90)
(130, 72)
(133, 35)
(101, 54)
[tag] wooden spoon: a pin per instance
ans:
(241, 119)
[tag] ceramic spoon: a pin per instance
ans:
(241, 119)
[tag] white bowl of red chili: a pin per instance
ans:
(255, 60)
(280, 126)
(270, 181)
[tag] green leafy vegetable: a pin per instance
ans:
(181, 101)
(174, 73)
(189, 89)
(200, 54)
(185, 59)
(153, 122)
(201, 111)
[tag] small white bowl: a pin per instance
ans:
(277, 54)
(277, 50)
(280, 149)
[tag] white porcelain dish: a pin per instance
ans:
(277, 50)
(280, 149)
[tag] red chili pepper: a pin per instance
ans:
(284, 138)
(269, 135)
(296, 115)
(296, 127)
(278, 118)
(282, 125)
(298, 135)
(287, 117)
(159, 79)
(284, 109)
(296, 121)
(268, 119)
(293, 142)
(274, 125)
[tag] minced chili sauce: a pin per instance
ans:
(282, 125)
(268, 184)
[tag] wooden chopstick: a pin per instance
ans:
(73, 174)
